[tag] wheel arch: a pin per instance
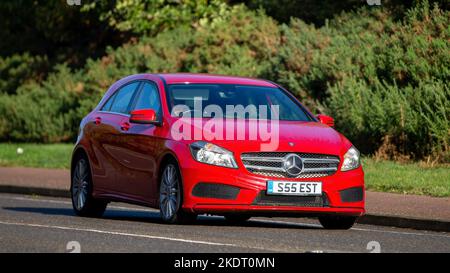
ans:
(167, 157)
(77, 152)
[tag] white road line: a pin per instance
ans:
(359, 229)
(269, 221)
(118, 233)
(401, 232)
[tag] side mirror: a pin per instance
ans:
(144, 116)
(327, 120)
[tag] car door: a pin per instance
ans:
(102, 129)
(142, 145)
(108, 148)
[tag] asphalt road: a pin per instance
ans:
(43, 224)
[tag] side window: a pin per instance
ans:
(148, 98)
(107, 105)
(123, 98)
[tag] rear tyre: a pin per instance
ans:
(81, 187)
(171, 196)
(337, 222)
(236, 218)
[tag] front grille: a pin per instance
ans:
(271, 164)
(263, 199)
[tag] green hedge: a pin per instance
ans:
(19, 69)
(384, 80)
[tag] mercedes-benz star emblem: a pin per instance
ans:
(292, 164)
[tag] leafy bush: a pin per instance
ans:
(398, 85)
(42, 113)
(244, 43)
(411, 121)
(384, 80)
(19, 69)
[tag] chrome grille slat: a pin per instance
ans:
(264, 168)
(271, 159)
(271, 164)
(318, 170)
(320, 160)
(282, 175)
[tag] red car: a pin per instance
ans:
(150, 142)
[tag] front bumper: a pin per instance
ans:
(343, 193)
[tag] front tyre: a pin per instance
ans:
(171, 196)
(84, 204)
(337, 221)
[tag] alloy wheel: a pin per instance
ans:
(169, 192)
(80, 184)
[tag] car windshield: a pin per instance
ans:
(233, 101)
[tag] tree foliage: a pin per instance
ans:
(152, 17)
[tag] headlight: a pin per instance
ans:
(351, 160)
(212, 154)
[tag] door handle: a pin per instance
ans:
(124, 126)
(98, 120)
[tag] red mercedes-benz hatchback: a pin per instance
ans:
(191, 144)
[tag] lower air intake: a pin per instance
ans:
(264, 199)
(215, 190)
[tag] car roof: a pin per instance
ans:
(178, 78)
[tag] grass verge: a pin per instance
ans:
(408, 178)
(36, 155)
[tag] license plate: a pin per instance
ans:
(294, 188)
